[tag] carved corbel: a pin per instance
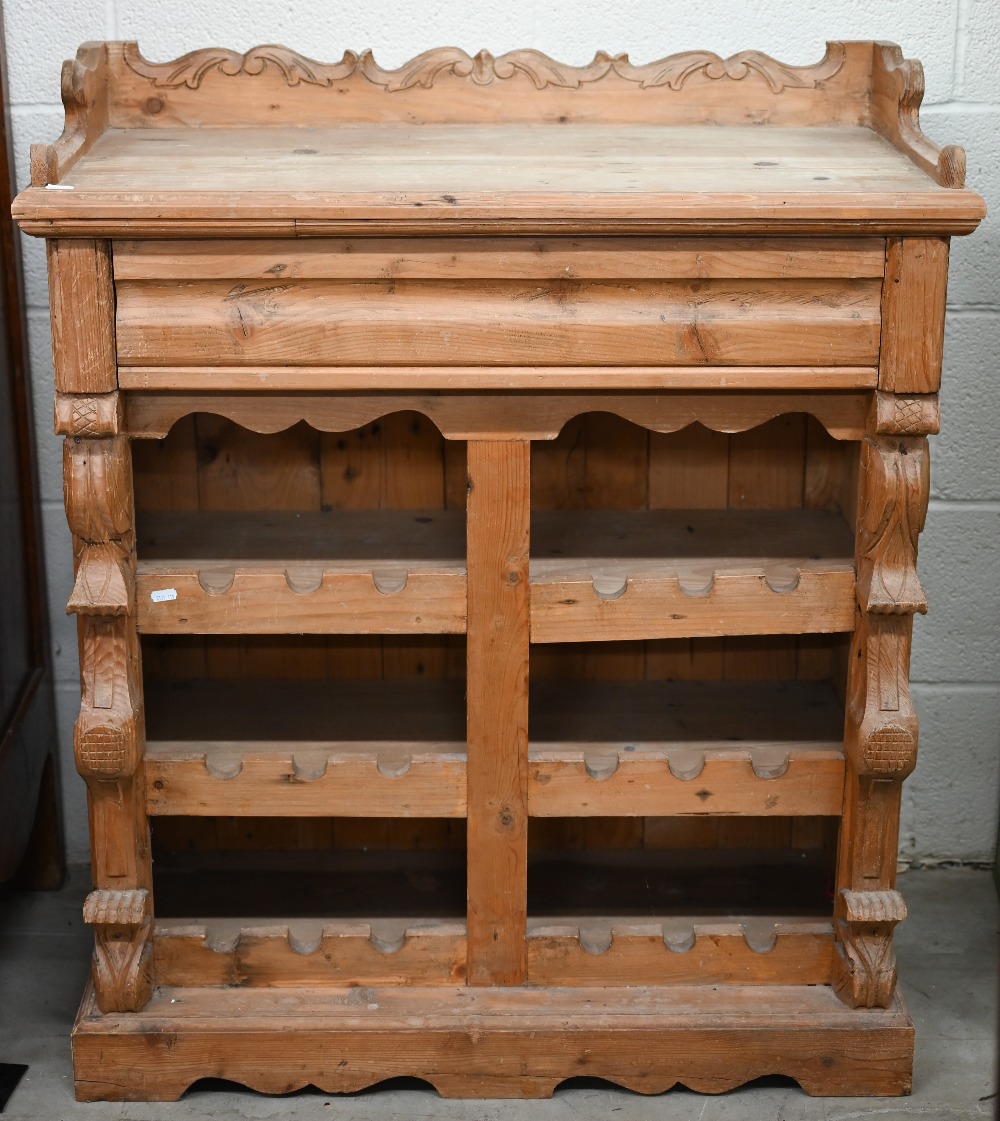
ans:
(881, 746)
(97, 479)
(106, 738)
(897, 414)
(865, 964)
(882, 722)
(92, 415)
(893, 504)
(123, 950)
(108, 744)
(105, 583)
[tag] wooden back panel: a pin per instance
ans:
(274, 85)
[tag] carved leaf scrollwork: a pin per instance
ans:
(97, 481)
(677, 69)
(191, 69)
(866, 975)
(868, 965)
(483, 68)
(123, 953)
(895, 492)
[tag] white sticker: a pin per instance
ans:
(58, 187)
(163, 595)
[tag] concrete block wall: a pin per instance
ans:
(951, 802)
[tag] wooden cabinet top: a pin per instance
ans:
(270, 143)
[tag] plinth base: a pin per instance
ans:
(491, 1043)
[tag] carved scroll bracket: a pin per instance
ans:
(123, 950)
(97, 479)
(106, 739)
(105, 583)
(882, 724)
(865, 966)
(893, 496)
(898, 92)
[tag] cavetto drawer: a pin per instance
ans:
(499, 302)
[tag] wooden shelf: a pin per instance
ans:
(620, 574)
(248, 952)
(679, 951)
(588, 951)
(345, 571)
(306, 748)
(665, 748)
(595, 574)
(397, 749)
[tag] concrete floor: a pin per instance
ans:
(947, 953)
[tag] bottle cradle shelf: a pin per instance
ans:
(495, 548)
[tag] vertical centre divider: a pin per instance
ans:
(498, 514)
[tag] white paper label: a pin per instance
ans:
(58, 187)
(163, 595)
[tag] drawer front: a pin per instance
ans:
(501, 302)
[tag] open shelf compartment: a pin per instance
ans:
(662, 915)
(348, 915)
(322, 748)
(620, 574)
(639, 748)
(283, 572)
(300, 531)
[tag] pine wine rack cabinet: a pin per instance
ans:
(495, 489)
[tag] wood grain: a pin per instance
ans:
(800, 1031)
(636, 780)
(483, 162)
(392, 779)
(607, 258)
(494, 416)
(82, 300)
(913, 306)
(628, 952)
(558, 322)
(278, 379)
(497, 686)
(271, 954)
